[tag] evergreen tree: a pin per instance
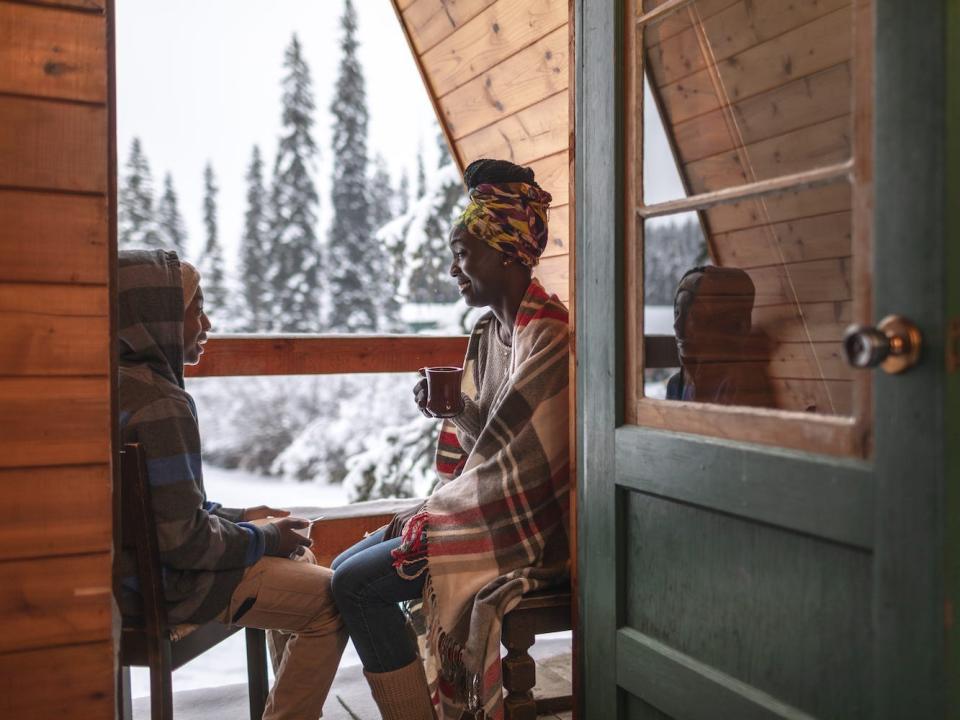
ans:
(421, 173)
(356, 261)
(670, 249)
(253, 249)
(136, 224)
(173, 232)
(430, 280)
(403, 193)
(384, 202)
(293, 272)
(211, 260)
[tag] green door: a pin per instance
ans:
(779, 539)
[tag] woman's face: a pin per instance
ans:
(477, 268)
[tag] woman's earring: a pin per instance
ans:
(505, 263)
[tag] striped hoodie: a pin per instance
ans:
(204, 548)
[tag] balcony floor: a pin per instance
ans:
(350, 697)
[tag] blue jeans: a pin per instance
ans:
(368, 590)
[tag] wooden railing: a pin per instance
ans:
(246, 355)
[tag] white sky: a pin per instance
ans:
(199, 80)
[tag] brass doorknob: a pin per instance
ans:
(894, 344)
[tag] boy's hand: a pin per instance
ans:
(291, 541)
(263, 511)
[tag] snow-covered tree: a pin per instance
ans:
(253, 249)
(355, 261)
(213, 275)
(293, 252)
(670, 249)
(430, 259)
(136, 223)
(173, 231)
(403, 193)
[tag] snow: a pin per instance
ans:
(658, 320)
(239, 488)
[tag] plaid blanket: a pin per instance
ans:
(496, 525)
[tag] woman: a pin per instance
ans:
(495, 527)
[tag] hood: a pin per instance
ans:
(151, 312)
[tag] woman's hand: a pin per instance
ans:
(420, 396)
(395, 527)
(261, 512)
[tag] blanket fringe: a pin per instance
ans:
(413, 547)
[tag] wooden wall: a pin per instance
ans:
(497, 72)
(56, 652)
(750, 91)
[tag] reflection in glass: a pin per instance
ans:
(748, 91)
(762, 323)
(722, 359)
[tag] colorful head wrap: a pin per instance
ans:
(510, 217)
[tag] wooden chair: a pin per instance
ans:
(538, 613)
(151, 641)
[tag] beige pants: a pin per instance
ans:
(294, 602)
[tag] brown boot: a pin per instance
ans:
(402, 694)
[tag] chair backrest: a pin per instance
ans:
(139, 533)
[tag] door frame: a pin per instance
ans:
(894, 503)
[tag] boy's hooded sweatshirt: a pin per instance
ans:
(203, 547)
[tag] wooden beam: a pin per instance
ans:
(49, 145)
(70, 682)
(53, 237)
(52, 54)
(497, 33)
(794, 181)
(233, 355)
(55, 601)
(661, 11)
(522, 80)
(31, 529)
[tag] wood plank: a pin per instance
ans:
(535, 73)
(430, 21)
(71, 682)
(826, 143)
(733, 30)
(51, 237)
(688, 688)
(52, 54)
(55, 601)
(553, 175)
(54, 421)
(559, 227)
(331, 354)
(803, 282)
(823, 434)
(487, 40)
(809, 361)
(816, 322)
(54, 330)
(816, 496)
(404, 4)
(53, 146)
(93, 6)
(554, 274)
(812, 238)
(677, 22)
(806, 101)
(32, 528)
(530, 134)
(779, 208)
(830, 397)
(819, 45)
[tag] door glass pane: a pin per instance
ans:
(747, 91)
(757, 307)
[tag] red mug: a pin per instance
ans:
(443, 390)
